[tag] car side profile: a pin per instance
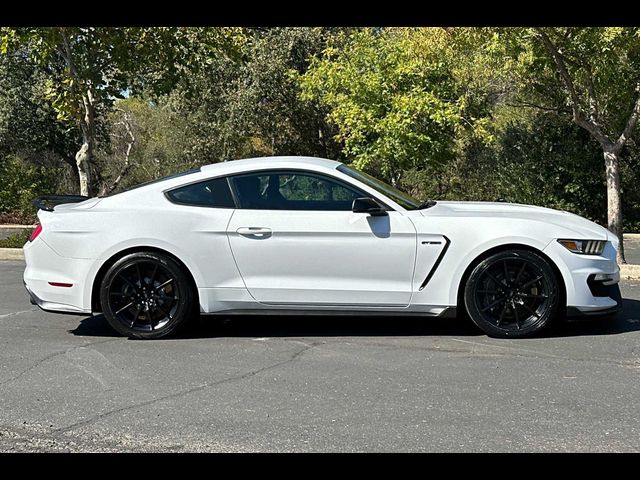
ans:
(309, 235)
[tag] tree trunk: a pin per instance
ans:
(614, 204)
(84, 157)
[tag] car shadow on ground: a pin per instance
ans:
(363, 326)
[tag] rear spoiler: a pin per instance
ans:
(48, 202)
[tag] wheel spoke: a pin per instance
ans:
(163, 284)
(119, 294)
(530, 295)
(533, 312)
(162, 295)
(524, 266)
(139, 274)
(504, 310)
(506, 271)
(487, 291)
(531, 281)
(493, 304)
(153, 275)
(127, 280)
(167, 314)
(135, 318)
(124, 308)
(515, 312)
(495, 280)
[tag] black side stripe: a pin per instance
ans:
(435, 265)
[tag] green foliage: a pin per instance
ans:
(86, 69)
(16, 240)
(235, 107)
(21, 183)
(111, 60)
(603, 63)
(394, 99)
(445, 113)
(28, 124)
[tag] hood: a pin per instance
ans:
(580, 226)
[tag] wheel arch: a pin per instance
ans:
(505, 247)
(97, 280)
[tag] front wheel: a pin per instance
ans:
(512, 294)
(146, 295)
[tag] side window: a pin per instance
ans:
(293, 191)
(210, 193)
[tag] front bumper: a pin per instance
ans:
(585, 295)
(613, 294)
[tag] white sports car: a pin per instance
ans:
(302, 235)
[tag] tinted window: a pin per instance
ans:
(210, 193)
(293, 191)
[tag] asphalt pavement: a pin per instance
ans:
(327, 384)
(632, 249)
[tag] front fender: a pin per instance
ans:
(445, 283)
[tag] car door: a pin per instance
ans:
(296, 241)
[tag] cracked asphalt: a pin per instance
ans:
(329, 384)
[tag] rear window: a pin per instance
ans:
(209, 193)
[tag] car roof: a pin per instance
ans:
(261, 162)
(230, 167)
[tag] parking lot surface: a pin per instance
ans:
(297, 384)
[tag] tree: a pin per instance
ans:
(597, 71)
(102, 64)
(28, 127)
(394, 99)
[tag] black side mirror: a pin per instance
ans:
(368, 205)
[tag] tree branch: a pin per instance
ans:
(594, 109)
(67, 55)
(533, 105)
(127, 163)
(631, 122)
(579, 116)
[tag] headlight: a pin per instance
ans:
(584, 247)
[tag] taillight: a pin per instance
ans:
(36, 232)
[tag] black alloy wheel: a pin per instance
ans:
(146, 295)
(512, 294)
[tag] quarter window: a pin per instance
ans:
(210, 193)
(293, 191)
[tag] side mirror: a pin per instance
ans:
(368, 205)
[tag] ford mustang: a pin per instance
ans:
(307, 235)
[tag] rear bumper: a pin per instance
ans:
(44, 267)
(53, 307)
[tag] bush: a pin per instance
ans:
(17, 240)
(22, 182)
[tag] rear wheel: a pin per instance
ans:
(512, 294)
(146, 295)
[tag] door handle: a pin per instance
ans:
(257, 232)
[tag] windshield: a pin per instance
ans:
(401, 198)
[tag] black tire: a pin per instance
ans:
(512, 294)
(147, 295)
